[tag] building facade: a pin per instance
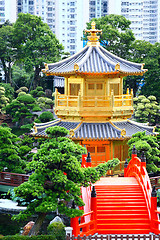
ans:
(8, 10)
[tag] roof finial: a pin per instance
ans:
(93, 38)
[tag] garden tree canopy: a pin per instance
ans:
(9, 91)
(57, 178)
(35, 43)
(9, 152)
(19, 108)
(116, 34)
(3, 99)
(145, 52)
(20, 76)
(149, 145)
(146, 109)
(8, 51)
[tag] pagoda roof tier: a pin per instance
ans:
(95, 130)
(94, 60)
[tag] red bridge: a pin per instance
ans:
(121, 205)
(115, 205)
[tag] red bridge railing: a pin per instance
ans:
(12, 179)
(137, 168)
(87, 223)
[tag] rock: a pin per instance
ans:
(28, 227)
(56, 219)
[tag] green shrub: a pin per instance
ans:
(46, 116)
(20, 237)
(21, 94)
(57, 230)
(36, 109)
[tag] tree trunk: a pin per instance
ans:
(38, 224)
(36, 77)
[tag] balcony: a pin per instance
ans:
(92, 107)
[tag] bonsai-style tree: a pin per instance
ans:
(149, 145)
(10, 160)
(20, 108)
(146, 109)
(3, 99)
(57, 178)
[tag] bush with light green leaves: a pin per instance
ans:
(146, 109)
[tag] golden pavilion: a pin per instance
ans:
(93, 107)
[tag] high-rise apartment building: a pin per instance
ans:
(143, 14)
(66, 18)
(71, 17)
(98, 8)
(8, 10)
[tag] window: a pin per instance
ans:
(72, 16)
(90, 86)
(72, 3)
(74, 89)
(72, 47)
(99, 86)
(115, 88)
(49, 8)
(91, 149)
(49, 14)
(72, 40)
(72, 28)
(100, 149)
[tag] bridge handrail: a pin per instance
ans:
(12, 179)
(137, 168)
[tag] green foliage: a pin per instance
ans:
(116, 34)
(147, 53)
(3, 99)
(7, 226)
(9, 91)
(21, 77)
(57, 132)
(44, 102)
(36, 109)
(57, 176)
(46, 116)
(22, 89)
(9, 152)
(146, 109)
(38, 92)
(35, 43)
(8, 51)
(39, 237)
(27, 127)
(149, 145)
(20, 109)
(57, 229)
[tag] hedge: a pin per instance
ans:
(20, 237)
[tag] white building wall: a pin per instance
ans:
(70, 21)
(8, 11)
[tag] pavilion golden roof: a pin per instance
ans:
(94, 59)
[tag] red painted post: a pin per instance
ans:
(94, 206)
(134, 152)
(84, 156)
(75, 225)
(143, 163)
(125, 168)
(154, 215)
(88, 160)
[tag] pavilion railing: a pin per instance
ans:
(112, 101)
(137, 168)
